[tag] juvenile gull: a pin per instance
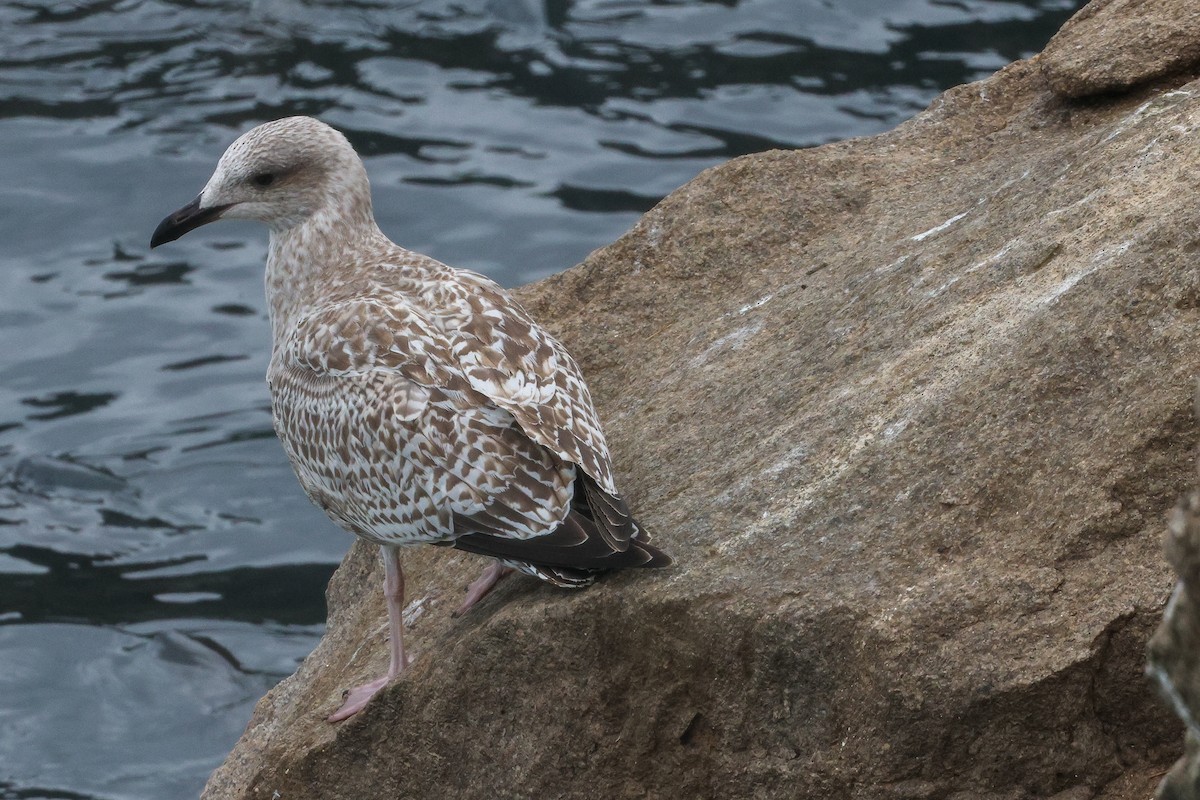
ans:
(416, 402)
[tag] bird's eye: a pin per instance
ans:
(263, 179)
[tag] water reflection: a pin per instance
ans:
(65, 404)
(159, 566)
(71, 587)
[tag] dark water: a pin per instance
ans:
(159, 567)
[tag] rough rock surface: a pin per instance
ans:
(1175, 648)
(909, 412)
(1113, 45)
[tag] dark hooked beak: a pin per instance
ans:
(188, 218)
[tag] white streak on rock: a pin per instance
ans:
(920, 237)
(730, 341)
(759, 303)
(414, 610)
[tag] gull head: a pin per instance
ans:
(280, 173)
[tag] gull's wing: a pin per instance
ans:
(521, 368)
(518, 366)
(408, 431)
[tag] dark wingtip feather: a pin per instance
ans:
(599, 534)
(655, 558)
(564, 548)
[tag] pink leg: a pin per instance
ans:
(393, 592)
(482, 585)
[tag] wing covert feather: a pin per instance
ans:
(472, 456)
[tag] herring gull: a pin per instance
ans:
(417, 403)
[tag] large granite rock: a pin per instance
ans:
(909, 412)
(1113, 45)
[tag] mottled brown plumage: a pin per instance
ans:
(416, 402)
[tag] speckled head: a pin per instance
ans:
(280, 173)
